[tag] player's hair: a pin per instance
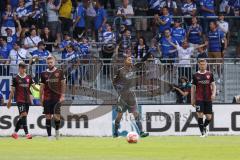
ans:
(51, 57)
(202, 60)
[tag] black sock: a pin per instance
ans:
(24, 123)
(206, 123)
(48, 127)
(139, 124)
(200, 124)
(57, 124)
(18, 125)
(116, 126)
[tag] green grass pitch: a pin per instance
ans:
(96, 148)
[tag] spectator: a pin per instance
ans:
(46, 36)
(140, 9)
(112, 4)
(216, 46)
(108, 47)
(30, 42)
(36, 15)
(109, 40)
(65, 14)
(124, 44)
(194, 34)
(2, 8)
(8, 21)
(184, 54)
(90, 18)
(84, 48)
(100, 20)
(234, 7)
(4, 54)
(183, 91)
(52, 15)
(29, 5)
(207, 10)
(141, 49)
(178, 33)
(223, 26)
(12, 38)
(164, 21)
(71, 58)
(125, 11)
(39, 57)
(171, 5)
(189, 8)
(168, 51)
(224, 7)
(4, 48)
(154, 7)
(202, 54)
(65, 42)
(22, 13)
(80, 24)
(13, 3)
(216, 38)
(16, 56)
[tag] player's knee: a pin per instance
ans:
(209, 117)
(57, 117)
(200, 114)
(48, 116)
(24, 114)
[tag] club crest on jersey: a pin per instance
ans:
(208, 76)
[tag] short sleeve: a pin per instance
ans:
(14, 82)
(42, 79)
(194, 80)
(32, 81)
(212, 78)
(62, 76)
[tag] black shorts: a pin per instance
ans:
(51, 107)
(203, 106)
(23, 107)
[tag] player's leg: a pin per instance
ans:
(139, 124)
(208, 114)
(49, 124)
(200, 114)
(117, 123)
(57, 121)
(22, 121)
(57, 118)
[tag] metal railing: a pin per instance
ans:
(90, 81)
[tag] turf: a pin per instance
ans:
(151, 148)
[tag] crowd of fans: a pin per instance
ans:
(33, 29)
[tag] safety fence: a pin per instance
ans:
(89, 81)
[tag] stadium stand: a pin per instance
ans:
(98, 29)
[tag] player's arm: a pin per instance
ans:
(63, 88)
(213, 86)
(41, 93)
(193, 95)
(193, 91)
(10, 97)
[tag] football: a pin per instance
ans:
(132, 137)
